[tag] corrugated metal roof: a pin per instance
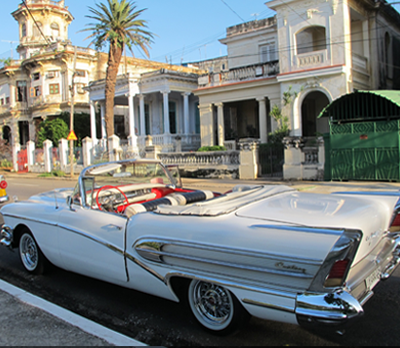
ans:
(364, 106)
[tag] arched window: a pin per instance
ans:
(37, 29)
(55, 30)
(23, 30)
(311, 39)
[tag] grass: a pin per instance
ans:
(54, 173)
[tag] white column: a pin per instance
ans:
(221, 126)
(206, 125)
(166, 113)
(186, 120)
(93, 121)
(262, 116)
(30, 147)
(142, 115)
(131, 105)
(87, 146)
(16, 147)
(103, 121)
(63, 149)
(48, 162)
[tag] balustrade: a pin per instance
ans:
(240, 74)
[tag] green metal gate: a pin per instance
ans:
(363, 142)
(365, 151)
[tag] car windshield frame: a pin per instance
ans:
(120, 173)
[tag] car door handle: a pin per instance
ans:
(116, 226)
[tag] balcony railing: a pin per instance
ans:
(60, 3)
(240, 74)
(201, 158)
(311, 59)
(360, 63)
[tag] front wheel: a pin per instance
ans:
(215, 308)
(30, 254)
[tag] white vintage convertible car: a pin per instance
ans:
(266, 250)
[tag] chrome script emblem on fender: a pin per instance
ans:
(290, 267)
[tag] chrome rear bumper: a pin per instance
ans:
(336, 310)
(339, 309)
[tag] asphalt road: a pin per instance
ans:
(160, 322)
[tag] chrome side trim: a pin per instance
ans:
(93, 238)
(144, 253)
(229, 283)
(150, 244)
(145, 267)
(305, 229)
(46, 222)
(268, 305)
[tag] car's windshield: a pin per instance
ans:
(129, 173)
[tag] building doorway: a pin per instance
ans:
(312, 106)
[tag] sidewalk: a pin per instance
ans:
(27, 320)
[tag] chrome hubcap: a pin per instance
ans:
(212, 304)
(28, 251)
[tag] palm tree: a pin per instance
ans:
(118, 25)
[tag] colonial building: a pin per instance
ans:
(312, 52)
(152, 98)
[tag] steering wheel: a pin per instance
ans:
(107, 187)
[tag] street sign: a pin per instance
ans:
(72, 136)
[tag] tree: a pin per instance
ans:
(283, 129)
(118, 25)
(53, 130)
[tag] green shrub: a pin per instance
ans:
(212, 148)
(5, 163)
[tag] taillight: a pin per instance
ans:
(336, 266)
(337, 274)
(395, 226)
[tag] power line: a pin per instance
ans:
(36, 23)
(232, 10)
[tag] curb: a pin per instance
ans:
(69, 317)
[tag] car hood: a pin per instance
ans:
(49, 197)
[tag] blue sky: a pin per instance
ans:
(187, 30)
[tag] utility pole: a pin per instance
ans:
(71, 119)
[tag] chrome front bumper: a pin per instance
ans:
(4, 199)
(6, 236)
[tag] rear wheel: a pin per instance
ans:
(30, 254)
(215, 308)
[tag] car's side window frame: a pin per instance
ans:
(86, 190)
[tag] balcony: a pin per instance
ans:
(247, 73)
(4, 109)
(312, 59)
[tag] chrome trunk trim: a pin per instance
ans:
(268, 305)
(305, 229)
